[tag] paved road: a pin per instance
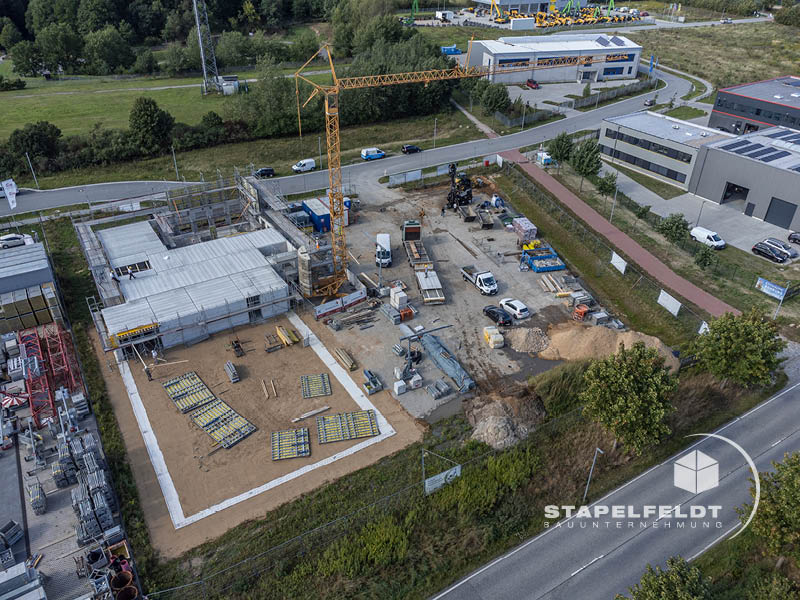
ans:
(105, 192)
(577, 560)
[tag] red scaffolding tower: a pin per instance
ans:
(63, 368)
(39, 391)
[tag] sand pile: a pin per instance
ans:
(574, 341)
(527, 339)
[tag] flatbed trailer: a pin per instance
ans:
(429, 286)
(418, 256)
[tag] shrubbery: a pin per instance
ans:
(11, 84)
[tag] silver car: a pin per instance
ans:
(781, 246)
(12, 239)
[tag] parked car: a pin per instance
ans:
(781, 246)
(410, 149)
(794, 237)
(497, 314)
(515, 308)
(14, 239)
(649, 102)
(307, 164)
(707, 237)
(533, 84)
(265, 172)
(372, 153)
(644, 13)
(726, 21)
(769, 252)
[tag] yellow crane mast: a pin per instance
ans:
(330, 286)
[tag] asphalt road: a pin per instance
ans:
(596, 559)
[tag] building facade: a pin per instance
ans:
(758, 173)
(760, 105)
(527, 8)
(560, 58)
(656, 145)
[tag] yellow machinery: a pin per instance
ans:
(330, 93)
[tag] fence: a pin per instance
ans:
(603, 96)
(402, 474)
(528, 117)
(639, 282)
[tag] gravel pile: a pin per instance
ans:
(527, 339)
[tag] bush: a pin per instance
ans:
(559, 387)
(380, 543)
(674, 228)
(145, 63)
(789, 15)
(11, 84)
(495, 98)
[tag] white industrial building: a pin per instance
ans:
(182, 295)
(560, 58)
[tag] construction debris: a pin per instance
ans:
(264, 389)
(530, 340)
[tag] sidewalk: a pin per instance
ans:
(488, 131)
(654, 267)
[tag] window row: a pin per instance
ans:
(773, 116)
(612, 71)
(644, 164)
(651, 146)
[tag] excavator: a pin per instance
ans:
(460, 188)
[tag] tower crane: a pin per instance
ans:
(330, 93)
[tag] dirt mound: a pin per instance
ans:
(527, 339)
(502, 419)
(574, 341)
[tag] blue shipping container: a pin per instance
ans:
(319, 214)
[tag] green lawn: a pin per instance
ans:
(710, 99)
(661, 83)
(280, 153)
(723, 55)
(685, 112)
(660, 10)
(661, 188)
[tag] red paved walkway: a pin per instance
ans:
(654, 267)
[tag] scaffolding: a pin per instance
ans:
(40, 394)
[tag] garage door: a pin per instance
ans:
(780, 213)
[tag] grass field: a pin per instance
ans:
(685, 112)
(760, 51)
(661, 188)
(660, 10)
(280, 153)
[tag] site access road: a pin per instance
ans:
(575, 560)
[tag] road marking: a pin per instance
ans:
(716, 541)
(591, 562)
(611, 493)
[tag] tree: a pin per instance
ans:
(233, 49)
(106, 51)
(213, 128)
(740, 348)
(628, 393)
(26, 58)
(145, 63)
(772, 586)
(674, 227)
(680, 581)
(560, 148)
(42, 13)
(495, 98)
(37, 139)
(9, 36)
(587, 90)
(192, 51)
(150, 126)
(94, 15)
(61, 47)
(175, 60)
(777, 520)
(607, 184)
(705, 257)
(586, 160)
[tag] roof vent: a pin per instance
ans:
(675, 127)
(704, 134)
(795, 95)
(689, 133)
(777, 96)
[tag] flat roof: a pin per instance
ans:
(670, 128)
(777, 147)
(23, 259)
(560, 43)
(784, 91)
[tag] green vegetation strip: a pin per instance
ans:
(661, 188)
(685, 112)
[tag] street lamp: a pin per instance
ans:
(702, 204)
(596, 450)
(434, 133)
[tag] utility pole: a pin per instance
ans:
(702, 204)
(175, 162)
(208, 61)
(30, 164)
(319, 143)
(524, 106)
(434, 133)
(594, 460)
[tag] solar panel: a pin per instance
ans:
(735, 145)
(617, 42)
(748, 149)
(792, 82)
(602, 41)
(761, 152)
(795, 168)
(793, 139)
(780, 154)
(780, 134)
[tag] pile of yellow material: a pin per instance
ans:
(493, 337)
(575, 341)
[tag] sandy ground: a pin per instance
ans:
(202, 480)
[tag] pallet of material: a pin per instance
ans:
(291, 443)
(347, 426)
(188, 392)
(315, 385)
(417, 255)
(222, 423)
(286, 337)
(345, 359)
(230, 371)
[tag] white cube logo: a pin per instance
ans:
(696, 472)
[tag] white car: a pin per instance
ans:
(14, 239)
(515, 308)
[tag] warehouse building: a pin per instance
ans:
(659, 146)
(754, 106)
(183, 295)
(527, 8)
(560, 58)
(758, 173)
(27, 293)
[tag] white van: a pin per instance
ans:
(707, 237)
(307, 164)
(383, 250)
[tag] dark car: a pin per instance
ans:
(410, 149)
(644, 13)
(497, 314)
(649, 102)
(533, 84)
(265, 172)
(762, 249)
(794, 237)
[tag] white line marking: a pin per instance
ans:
(716, 541)
(160, 466)
(590, 563)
